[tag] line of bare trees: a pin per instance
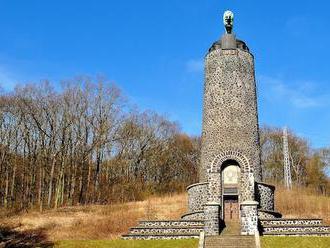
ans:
(85, 144)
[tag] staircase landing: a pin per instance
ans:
(231, 228)
(230, 241)
(230, 238)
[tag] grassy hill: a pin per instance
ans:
(104, 222)
(302, 202)
(97, 221)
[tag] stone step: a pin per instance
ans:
(325, 234)
(235, 242)
(290, 222)
(231, 228)
(234, 237)
(230, 241)
(230, 246)
(167, 230)
(304, 228)
(160, 236)
(171, 223)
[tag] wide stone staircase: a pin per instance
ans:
(230, 241)
(293, 227)
(184, 229)
(166, 229)
(230, 238)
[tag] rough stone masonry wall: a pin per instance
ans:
(249, 218)
(264, 214)
(296, 229)
(230, 121)
(291, 222)
(167, 230)
(198, 215)
(212, 220)
(170, 223)
(265, 196)
(197, 197)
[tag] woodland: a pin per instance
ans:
(85, 143)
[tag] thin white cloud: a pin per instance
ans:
(298, 94)
(195, 65)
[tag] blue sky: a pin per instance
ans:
(154, 51)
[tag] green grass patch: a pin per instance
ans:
(295, 242)
(185, 243)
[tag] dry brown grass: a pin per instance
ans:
(98, 221)
(109, 222)
(302, 202)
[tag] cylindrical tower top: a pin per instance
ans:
(230, 117)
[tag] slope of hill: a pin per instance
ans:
(96, 221)
(302, 202)
(109, 222)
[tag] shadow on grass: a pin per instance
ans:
(10, 238)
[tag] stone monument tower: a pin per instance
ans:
(230, 173)
(230, 188)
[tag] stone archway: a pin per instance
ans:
(213, 208)
(246, 178)
(229, 155)
(230, 179)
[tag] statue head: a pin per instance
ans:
(228, 21)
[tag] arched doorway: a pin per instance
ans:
(230, 178)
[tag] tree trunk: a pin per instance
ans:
(6, 189)
(12, 190)
(40, 194)
(50, 187)
(73, 184)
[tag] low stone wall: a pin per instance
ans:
(166, 230)
(170, 223)
(296, 229)
(294, 234)
(197, 196)
(265, 196)
(198, 215)
(264, 214)
(290, 222)
(159, 236)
